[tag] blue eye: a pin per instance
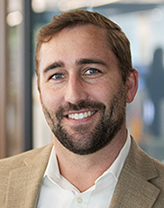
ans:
(58, 76)
(91, 71)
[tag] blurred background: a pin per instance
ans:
(22, 124)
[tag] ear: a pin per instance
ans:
(131, 85)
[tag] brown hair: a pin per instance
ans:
(116, 39)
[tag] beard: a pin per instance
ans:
(86, 139)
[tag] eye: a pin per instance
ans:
(91, 71)
(57, 76)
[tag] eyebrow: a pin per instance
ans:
(79, 62)
(53, 66)
(90, 61)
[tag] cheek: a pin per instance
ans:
(101, 93)
(110, 94)
(51, 99)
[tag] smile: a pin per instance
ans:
(80, 116)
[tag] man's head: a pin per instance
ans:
(82, 91)
(116, 39)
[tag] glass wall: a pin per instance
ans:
(12, 110)
(142, 21)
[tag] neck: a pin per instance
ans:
(83, 170)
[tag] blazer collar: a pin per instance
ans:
(25, 182)
(134, 188)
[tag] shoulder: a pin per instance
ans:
(148, 168)
(159, 167)
(17, 161)
(143, 162)
(20, 166)
(158, 181)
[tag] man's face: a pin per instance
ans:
(81, 89)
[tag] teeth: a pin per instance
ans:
(80, 116)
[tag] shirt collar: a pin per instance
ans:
(117, 165)
(53, 173)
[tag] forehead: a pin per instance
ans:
(77, 35)
(75, 43)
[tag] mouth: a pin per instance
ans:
(80, 116)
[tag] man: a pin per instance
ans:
(85, 79)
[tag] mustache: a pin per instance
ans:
(80, 105)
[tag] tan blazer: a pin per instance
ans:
(140, 185)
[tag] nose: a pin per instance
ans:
(75, 90)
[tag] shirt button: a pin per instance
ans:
(79, 200)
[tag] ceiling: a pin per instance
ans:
(64, 5)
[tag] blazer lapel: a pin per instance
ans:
(134, 188)
(24, 182)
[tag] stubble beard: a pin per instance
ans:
(85, 139)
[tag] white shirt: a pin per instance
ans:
(57, 192)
